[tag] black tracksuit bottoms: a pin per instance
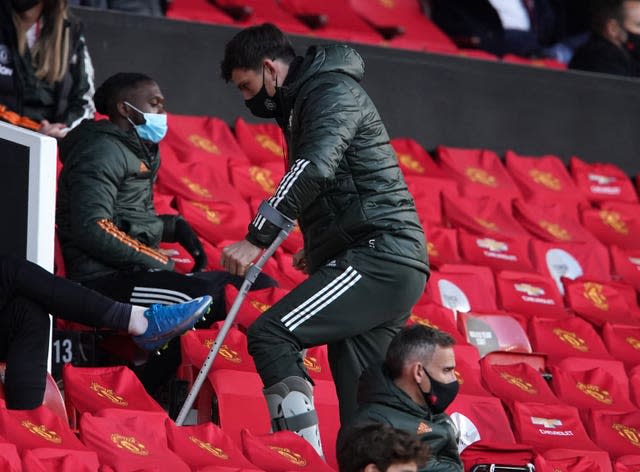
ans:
(145, 287)
(28, 293)
(355, 304)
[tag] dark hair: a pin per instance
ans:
(416, 342)
(115, 88)
(252, 45)
(601, 11)
(382, 445)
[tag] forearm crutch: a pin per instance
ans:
(286, 225)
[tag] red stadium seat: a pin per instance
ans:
(544, 426)
(59, 460)
(199, 138)
(516, 382)
(206, 445)
(414, 160)
(634, 385)
(442, 245)
(480, 418)
(614, 224)
(479, 172)
(92, 389)
(253, 181)
(488, 453)
(482, 216)
(569, 460)
(37, 428)
(626, 265)
(53, 399)
(543, 179)
(9, 458)
(571, 261)
(253, 12)
(484, 275)
(530, 294)
(460, 291)
(628, 463)
(552, 224)
(262, 143)
(281, 452)
(602, 302)
(534, 62)
(240, 402)
(404, 24)
(233, 354)
(427, 193)
(601, 181)
(468, 375)
(196, 10)
(616, 433)
(568, 337)
(316, 361)
(197, 181)
(216, 221)
(436, 316)
(332, 19)
(581, 364)
(129, 441)
(490, 333)
(496, 252)
(623, 342)
(594, 389)
(255, 303)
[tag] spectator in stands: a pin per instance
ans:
(108, 229)
(45, 69)
(140, 7)
(521, 27)
(411, 390)
(614, 46)
(381, 448)
(28, 293)
(364, 248)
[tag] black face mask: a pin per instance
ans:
(441, 394)
(264, 106)
(633, 45)
(20, 6)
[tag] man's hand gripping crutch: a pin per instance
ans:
(250, 272)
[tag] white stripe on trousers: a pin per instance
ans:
(321, 299)
(149, 295)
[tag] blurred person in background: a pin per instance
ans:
(527, 28)
(614, 45)
(46, 72)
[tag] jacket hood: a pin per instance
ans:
(377, 387)
(90, 130)
(332, 58)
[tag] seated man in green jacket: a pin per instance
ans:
(411, 390)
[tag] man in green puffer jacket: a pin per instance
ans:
(108, 228)
(411, 390)
(364, 248)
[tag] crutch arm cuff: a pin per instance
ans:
(275, 217)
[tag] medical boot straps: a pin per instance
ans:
(290, 404)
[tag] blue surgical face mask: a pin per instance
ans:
(154, 128)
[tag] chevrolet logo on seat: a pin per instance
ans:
(546, 422)
(601, 179)
(492, 245)
(529, 289)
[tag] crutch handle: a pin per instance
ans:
(250, 277)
